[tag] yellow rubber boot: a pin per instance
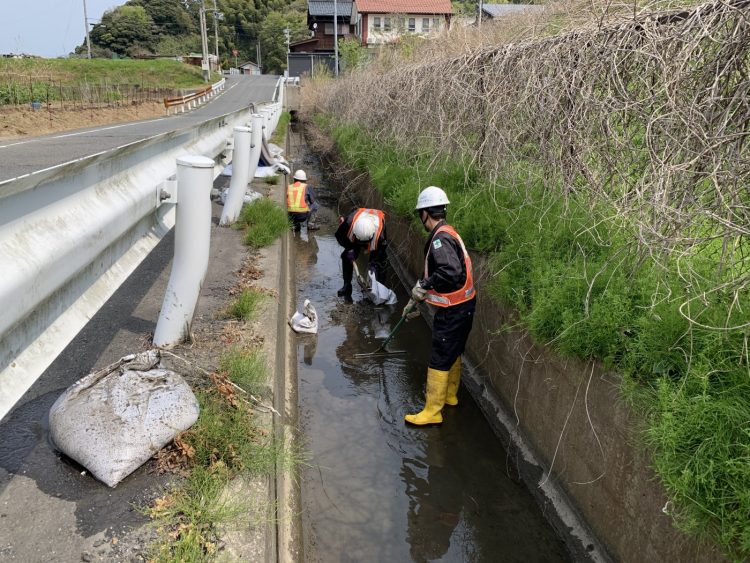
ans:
(437, 383)
(454, 380)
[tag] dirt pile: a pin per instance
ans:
(18, 122)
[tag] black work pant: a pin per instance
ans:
(298, 218)
(450, 330)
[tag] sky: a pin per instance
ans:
(49, 28)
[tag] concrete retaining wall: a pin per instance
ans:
(557, 413)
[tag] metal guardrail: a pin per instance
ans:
(70, 235)
(190, 101)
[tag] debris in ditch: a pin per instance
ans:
(307, 321)
(113, 420)
(378, 293)
(175, 458)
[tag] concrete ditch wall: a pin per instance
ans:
(556, 413)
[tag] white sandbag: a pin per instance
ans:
(307, 321)
(378, 293)
(265, 171)
(115, 419)
(249, 197)
(275, 150)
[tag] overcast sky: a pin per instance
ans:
(50, 28)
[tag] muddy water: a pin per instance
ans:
(377, 489)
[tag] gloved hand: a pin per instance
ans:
(350, 255)
(418, 293)
(413, 313)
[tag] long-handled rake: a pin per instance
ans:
(382, 349)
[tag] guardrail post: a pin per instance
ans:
(256, 143)
(264, 127)
(191, 247)
(240, 176)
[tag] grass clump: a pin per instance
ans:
(246, 370)
(571, 270)
(265, 222)
(279, 136)
(245, 306)
(226, 441)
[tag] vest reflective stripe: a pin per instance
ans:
(381, 221)
(467, 292)
(295, 198)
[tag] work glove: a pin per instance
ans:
(410, 311)
(418, 293)
(350, 255)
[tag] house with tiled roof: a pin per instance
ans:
(320, 15)
(384, 21)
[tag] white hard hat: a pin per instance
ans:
(300, 175)
(365, 227)
(431, 196)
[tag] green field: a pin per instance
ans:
(25, 80)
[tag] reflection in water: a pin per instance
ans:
(309, 345)
(434, 507)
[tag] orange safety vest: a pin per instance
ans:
(295, 198)
(462, 295)
(381, 221)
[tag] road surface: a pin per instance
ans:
(24, 156)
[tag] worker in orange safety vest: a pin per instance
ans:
(448, 285)
(362, 230)
(300, 200)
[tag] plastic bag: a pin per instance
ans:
(307, 321)
(249, 197)
(113, 420)
(378, 293)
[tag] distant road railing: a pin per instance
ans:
(193, 100)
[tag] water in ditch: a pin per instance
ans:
(376, 489)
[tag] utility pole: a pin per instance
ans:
(336, 36)
(481, 9)
(286, 34)
(205, 66)
(216, 32)
(86, 25)
(257, 50)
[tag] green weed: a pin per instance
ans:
(572, 272)
(246, 369)
(265, 222)
(279, 136)
(226, 441)
(245, 306)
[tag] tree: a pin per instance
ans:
(352, 55)
(273, 41)
(170, 17)
(124, 30)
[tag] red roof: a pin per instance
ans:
(404, 6)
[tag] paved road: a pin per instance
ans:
(25, 156)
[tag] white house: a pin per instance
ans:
(384, 21)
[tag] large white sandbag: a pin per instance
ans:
(115, 419)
